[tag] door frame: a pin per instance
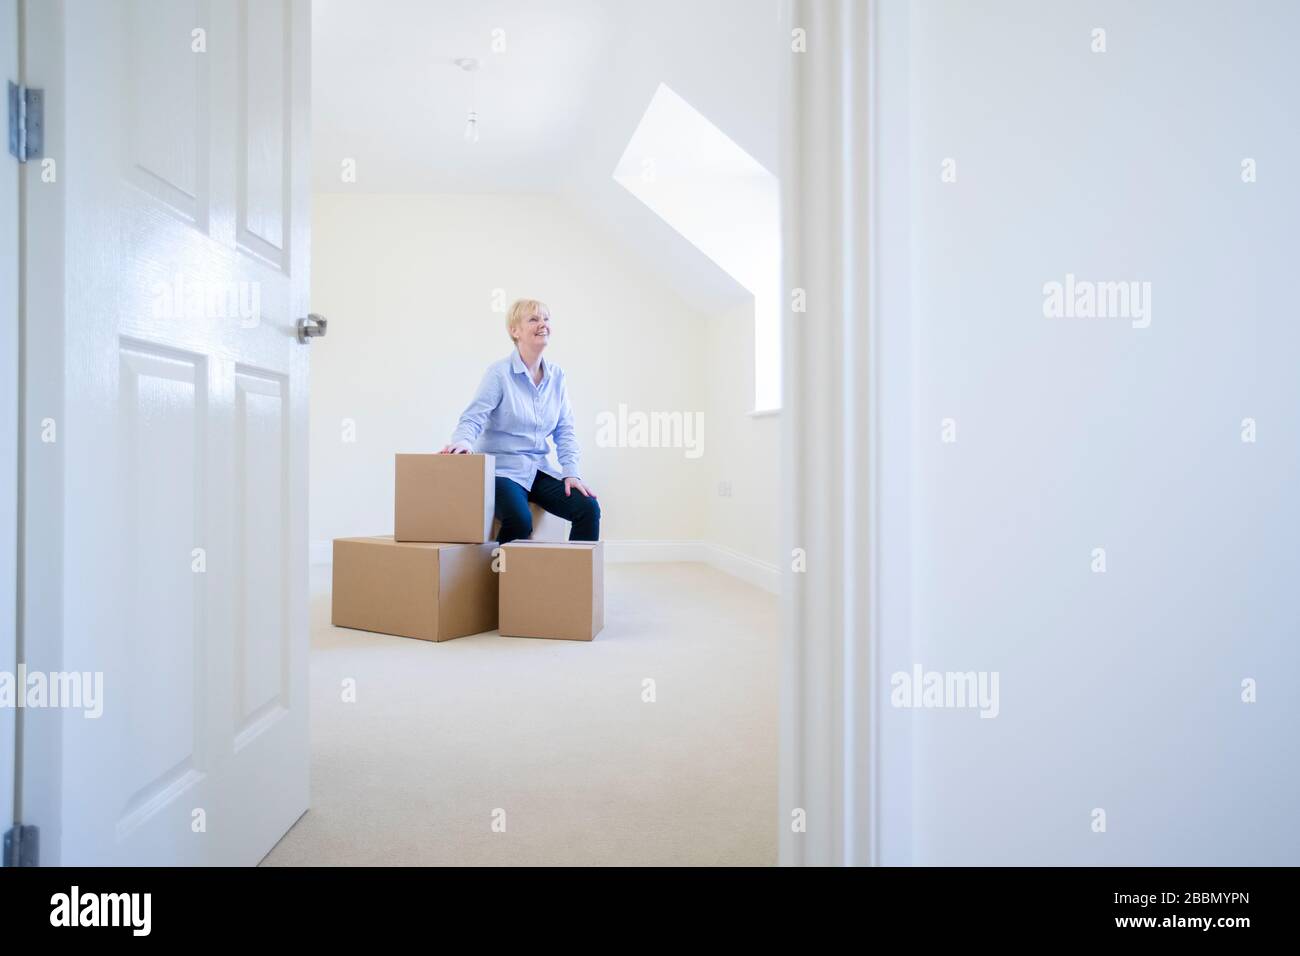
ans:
(38, 787)
(11, 271)
(845, 764)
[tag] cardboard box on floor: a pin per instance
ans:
(433, 592)
(553, 589)
(444, 498)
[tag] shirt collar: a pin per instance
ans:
(517, 365)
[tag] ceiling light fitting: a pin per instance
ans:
(470, 66)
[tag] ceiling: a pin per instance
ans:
(556, 107)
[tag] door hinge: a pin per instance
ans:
(26, 122)
(22, 846)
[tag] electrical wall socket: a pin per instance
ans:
(724, 489)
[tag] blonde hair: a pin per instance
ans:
(521, 310)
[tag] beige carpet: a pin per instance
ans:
(554, 733)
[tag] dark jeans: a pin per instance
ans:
(517, 521)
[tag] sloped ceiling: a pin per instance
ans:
(557, 106)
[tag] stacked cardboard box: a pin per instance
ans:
(432, 579)
(444, 498)
(430, 591)
(436, 578)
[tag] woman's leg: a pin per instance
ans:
(512, 509)
(583, 512)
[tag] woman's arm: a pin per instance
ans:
(566, 439)
(476, 414)
(566, 447)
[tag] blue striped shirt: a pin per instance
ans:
(512, 418)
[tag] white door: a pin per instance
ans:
(8, 422)
(179, 516)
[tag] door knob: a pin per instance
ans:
(311, 327)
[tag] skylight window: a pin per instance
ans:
(725, 203)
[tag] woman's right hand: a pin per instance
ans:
(457, 448)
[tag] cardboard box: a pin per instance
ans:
(433, 592)
(444, 498)
(552, 589)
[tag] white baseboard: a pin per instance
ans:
(750, 570)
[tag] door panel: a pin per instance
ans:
(265, 69)
(168, 106)
(184, 471)
(261, 459)
(162, 436)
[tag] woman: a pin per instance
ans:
(522, 401)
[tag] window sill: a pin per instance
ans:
(763, 412)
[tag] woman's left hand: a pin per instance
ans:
(575, 483)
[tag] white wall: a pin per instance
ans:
(1121, 690)
(741, 450)
(407, 283)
